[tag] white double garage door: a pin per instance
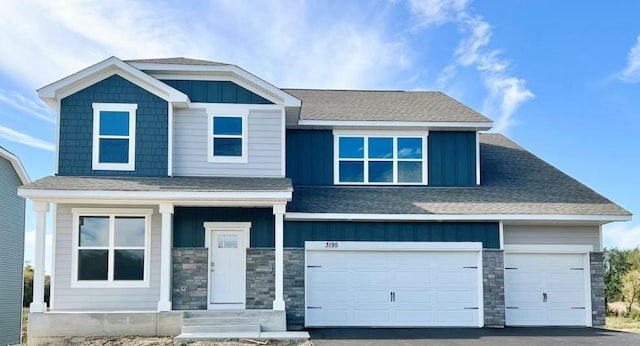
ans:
(371, 284)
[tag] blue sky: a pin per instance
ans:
(561, 80)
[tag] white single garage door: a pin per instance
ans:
(393, 284)
(546, 289)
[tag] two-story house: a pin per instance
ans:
(188, 190)
(12, 176)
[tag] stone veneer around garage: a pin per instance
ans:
(493, 287)
(598, 307)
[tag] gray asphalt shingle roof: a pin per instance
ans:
(514, 181)
(189, 184)
(365, 105)
(177, 61)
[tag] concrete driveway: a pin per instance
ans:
(485, 336)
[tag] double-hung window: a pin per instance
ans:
(111, 248)
(228, 138)
(380, 159)
(114, 136)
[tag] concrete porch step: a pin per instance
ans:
(232, 336)
(202, 321)
(223, 313)
(227, 328)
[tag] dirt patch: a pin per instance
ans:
(168, 341)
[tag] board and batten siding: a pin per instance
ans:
(452, 158)
(552, 235)
(11, 254)
(264, 150)
(64, 297)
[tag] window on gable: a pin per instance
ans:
(380, 159)
(114, 136)
(228, 138)
(111, 250)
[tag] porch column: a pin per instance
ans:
(38, 305)
(278, 212)
(164, 304)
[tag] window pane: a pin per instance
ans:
(128, 265)
(227, 147)
(409, 171)
(351, 171)
(227, 126)
(380, 171)
(92, 264)
(351, 147)
(380, 148)
(114, 150)
(410, 148)
(228, 241)
(129, 231)
(94, 231)
(114, 123)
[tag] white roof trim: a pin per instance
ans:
(477, 126)
(156, 195)
(106, 68)
(289, 100)
(17, 165)
(293, 216)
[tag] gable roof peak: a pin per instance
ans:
(177, 61)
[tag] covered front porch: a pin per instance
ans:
(187, 223)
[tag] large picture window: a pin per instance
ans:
(114, 136)
(380, 159)
(111, 248)
(227, 142)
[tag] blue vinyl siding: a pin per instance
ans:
(11, 254)
(216, 92)
(76, 129)
(452, 158)
(296, 233)
(188, 224)
(310, 157)
(188, 229)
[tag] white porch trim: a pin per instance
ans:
(278, 212)
(164, 304)
(38, 305)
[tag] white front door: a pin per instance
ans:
(227, 274)
(546, 289)
(392, 288)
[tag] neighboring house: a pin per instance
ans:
(12, 176)
(189, 185)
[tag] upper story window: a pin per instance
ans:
(114, 136)
(228, 138)
(111, 247)
(380, 159)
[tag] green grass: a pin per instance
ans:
(623, 323)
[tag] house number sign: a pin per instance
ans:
(331, 245)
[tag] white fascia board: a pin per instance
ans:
(106, 68)
(391, 246)
(293, 216)
(156, 195)
(475, 126)
(289, 100)
(17, 165)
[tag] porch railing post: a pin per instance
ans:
(164, 304)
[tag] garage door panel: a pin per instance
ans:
(430, 288)
(540, 276)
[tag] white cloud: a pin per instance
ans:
(621, 235)
(505, 92)
(22, 138)
(30, 249)
(632, 72)
(34, 108)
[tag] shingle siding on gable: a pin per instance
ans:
(76, 129)
(216, 92)
(452, 158)
(11, 254)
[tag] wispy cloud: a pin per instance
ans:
(34, 108)
(505, 92)
(622, 235)
(22, 138)
(631, 73)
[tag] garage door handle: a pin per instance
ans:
(471, 308)
(510, 268)
(392, 296)
(576, 268)
(314, 307)
(578, 307)
(513, 307)
(470, 267)
(314, 266)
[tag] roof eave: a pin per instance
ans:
(441, 125)
(17, 165)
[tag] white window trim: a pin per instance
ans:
(211, 136)
(128, 107)
(337, 134)
(112, 213)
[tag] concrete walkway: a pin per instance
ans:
(471, 336)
